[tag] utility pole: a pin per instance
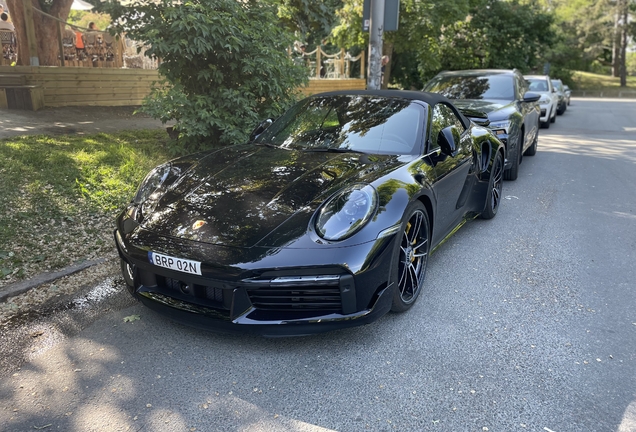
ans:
(376, 30)
(623, 66)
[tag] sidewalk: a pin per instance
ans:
(73, 120)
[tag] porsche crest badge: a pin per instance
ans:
(198, 224)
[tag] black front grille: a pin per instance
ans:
(297, 298)
(211, 295)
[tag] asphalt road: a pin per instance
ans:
(527, 322)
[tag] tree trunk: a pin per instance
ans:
(624, 31)
(616, 44)
(45, 30)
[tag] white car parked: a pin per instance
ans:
(549, 101)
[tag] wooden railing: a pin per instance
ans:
(329, 66)
(52, 86)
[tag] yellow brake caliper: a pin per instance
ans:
(408, 228)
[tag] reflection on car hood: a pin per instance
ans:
(496, 110)
(486, 106)
(237, 196)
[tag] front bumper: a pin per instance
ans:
(546, 110)
(315, 292)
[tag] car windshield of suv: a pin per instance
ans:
(367, 124)
(537, 84)
(558, 85)
(473, 87)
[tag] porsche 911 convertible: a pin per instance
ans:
(324, 220)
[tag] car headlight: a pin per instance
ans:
(544, 99)
(500, 127)
(346, 212)
(149, 189)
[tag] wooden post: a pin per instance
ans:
(31, 45)
(341, 63)
(318, 51)
(60, 42)
(362, 64)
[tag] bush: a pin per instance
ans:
(225, 65)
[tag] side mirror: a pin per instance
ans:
(531, 97)
(260, 129)
(446, 140)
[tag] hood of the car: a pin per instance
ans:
(495, 109)
(237, 196)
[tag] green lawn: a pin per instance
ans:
(59, 195)
(589, 82)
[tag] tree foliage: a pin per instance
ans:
(310, 20)
(455, 34)
(225, 64)
(498, 34)
(590, 33)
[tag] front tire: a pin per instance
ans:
(495, 187)
(561, 109)
(410, 257)
(513, 172)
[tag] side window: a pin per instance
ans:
(443, 116)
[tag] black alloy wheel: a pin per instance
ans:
(410, 257)
(495, 187)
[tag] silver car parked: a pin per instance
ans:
(549, 101)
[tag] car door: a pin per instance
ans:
(529, 111)
(452, 172)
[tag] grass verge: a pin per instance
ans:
(589, 82)
(59, 195)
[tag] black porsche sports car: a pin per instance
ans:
(325, 219)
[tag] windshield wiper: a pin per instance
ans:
(332, 150)
(267, 145)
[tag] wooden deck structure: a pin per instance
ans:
(52, 86)
(107, 71)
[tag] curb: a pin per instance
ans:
(21, 287)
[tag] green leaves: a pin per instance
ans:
(225, 66)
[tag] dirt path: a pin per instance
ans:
(73, 120)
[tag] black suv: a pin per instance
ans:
(503, 95)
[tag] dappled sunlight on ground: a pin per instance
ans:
(97, 383)
(607, 148)
(628, 424)
(622, 215)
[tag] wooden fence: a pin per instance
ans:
(80, 86)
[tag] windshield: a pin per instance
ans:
(473, 87)
(557, 84)
(537, 84)
(368, 124)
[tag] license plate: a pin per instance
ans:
(172, 263)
